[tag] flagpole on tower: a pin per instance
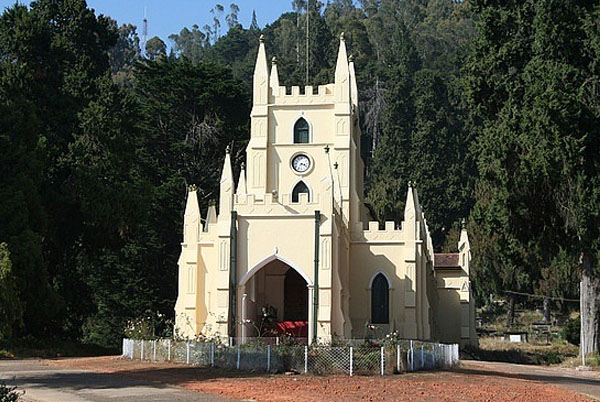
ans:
(307, 37)
(144, 33)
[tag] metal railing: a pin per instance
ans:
(260, 355)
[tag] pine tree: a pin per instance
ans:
(537, 146)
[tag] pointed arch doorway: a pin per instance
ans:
(276, 300)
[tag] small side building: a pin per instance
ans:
(456, 308)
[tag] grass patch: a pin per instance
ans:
(51, 348)
(493, 349)
(592, 361)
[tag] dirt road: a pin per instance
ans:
(587, 383)
(59, 384)
(473, 381)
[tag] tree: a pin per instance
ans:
(10, 304)
(232, 17)
(191, 44)
(538, 143)
(23, 222)
(155, 48)
(192, 112)
(254, 25)
(124, 53)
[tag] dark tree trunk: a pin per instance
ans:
(589, 305)
(510, 316)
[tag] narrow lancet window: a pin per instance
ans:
(300, 188)
(380, 300)
(301, 132)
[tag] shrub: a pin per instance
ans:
(572, 331)
(9, 394)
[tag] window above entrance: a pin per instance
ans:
(300, 188)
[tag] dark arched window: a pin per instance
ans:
(301, 131)
(299, 189)
(380, 300)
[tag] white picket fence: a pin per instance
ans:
(256, 355)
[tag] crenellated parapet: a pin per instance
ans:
(324, 95)
(375, 234)
(269, 204)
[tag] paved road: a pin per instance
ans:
(587, 383)
(49, 384)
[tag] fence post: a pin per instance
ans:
(456, 353)
(382, 361)
(169, 350)
(351, 361)
(212, 354)
(154, 350)
(412, 356)
(268, 358)
(187, 353)
(142, 351)
(422, 356)
(398, 358)
(238, 357)
(305, 359)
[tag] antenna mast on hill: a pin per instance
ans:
(307, 37)
(144, 33)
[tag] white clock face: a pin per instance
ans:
(301, 163)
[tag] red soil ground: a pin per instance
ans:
(456, 385)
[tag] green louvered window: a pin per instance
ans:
(380, 300)
(301, 132)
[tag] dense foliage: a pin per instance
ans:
(492, 109)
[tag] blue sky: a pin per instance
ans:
(166, 17)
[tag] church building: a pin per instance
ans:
(294, 242)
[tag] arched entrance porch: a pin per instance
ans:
(275, 299)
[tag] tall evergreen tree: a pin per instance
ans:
(538, 145)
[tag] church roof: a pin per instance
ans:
(446, 260)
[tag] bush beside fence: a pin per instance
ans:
(256, 355)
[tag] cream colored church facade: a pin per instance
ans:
(295, 234)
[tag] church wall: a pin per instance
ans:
(339, 277)
(291, 238)
(282, 119)
(282, 149)
(455, 315)
(366, 261)
(448, 316)
(214, 258)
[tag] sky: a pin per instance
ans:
(166, 17)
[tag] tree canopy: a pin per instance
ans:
(491, 108)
